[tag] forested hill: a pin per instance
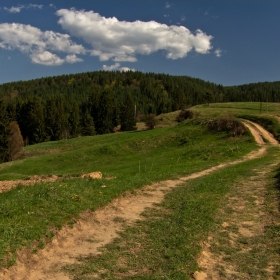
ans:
(90, 103)
(173, 92)
(263, 91)
(152, 93)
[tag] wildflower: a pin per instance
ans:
(75, 198)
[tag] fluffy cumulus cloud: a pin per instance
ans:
(39, 45)
(72, 58)
(46, 58)
(117, 40)
(116, 67)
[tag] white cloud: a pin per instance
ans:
(37, 44)
(167, 5)
(122, 40)
(18, 9)
(72, 58)
(116, 66)
(183, 18)
(112, 67)
(125, 69)
(46, 58)
(14, 9)
(218, 52)
(34, 6)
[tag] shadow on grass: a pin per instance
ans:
(277, 184)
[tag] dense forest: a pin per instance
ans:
(60, 107)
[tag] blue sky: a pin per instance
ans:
(227, 42)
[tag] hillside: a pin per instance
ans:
(190, 170)
(63, 107)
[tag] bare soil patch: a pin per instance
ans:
(9, 184)
(95, 229)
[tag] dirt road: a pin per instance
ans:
(101, 225)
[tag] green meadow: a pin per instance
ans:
(30, 216)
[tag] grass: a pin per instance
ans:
(236, 108)
(134, 158)
(269, 123)
(268, 117)
(170, 150)
(256, 256)
(166, 243)
(170, 239)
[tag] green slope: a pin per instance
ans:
(132, 159)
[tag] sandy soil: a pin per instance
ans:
(7, 185)
(95, 229)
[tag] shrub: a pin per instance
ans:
(186, 114)
(227, 124)
(15, 140)
(151, 121)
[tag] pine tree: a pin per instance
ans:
(87, 124)
(74, 120)
(92, 105)
(31, 121)
(4, 133)
(56, 120)
(106, 119)
(127, 114)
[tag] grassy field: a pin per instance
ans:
(170, 236)
(30, 216)
(239, 108)
(176, 149)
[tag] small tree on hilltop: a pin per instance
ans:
(209, 97)
(151, 121)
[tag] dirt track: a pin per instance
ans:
(101, 226)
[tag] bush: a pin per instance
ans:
(186, 114)
(151, 121)
(227, 124)
(15, 140)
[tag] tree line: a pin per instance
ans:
(61, 107)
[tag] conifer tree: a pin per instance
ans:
(87, 124)
(92, 105)
(4, 133)
(74, 120)
(55, 118)
(106, 119)
(127, 113)
(31, 121)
